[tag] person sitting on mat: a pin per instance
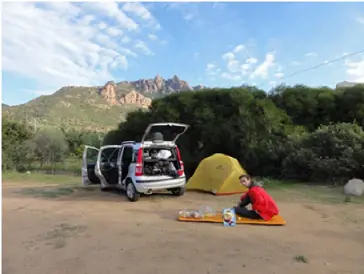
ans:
(263, 206)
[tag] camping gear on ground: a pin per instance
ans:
(229, 217)
(195, 216)
(219, 174)
(202, 212)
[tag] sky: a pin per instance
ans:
(48, 45)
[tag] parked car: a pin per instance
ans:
(139, 167)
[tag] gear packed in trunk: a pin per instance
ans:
(159, 161)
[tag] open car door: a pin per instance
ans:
(106, 166)
(89, 159)
(164, 132)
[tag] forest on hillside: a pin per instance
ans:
(292, 132)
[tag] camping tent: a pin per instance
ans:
(218, 174)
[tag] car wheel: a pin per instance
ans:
(131, 192)
(179, 191)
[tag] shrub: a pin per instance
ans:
(331, 153)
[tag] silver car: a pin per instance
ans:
(152, 165)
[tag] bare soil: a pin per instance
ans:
(76, 230)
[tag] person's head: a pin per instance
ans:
(245, 180)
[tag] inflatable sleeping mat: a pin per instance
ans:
(218, 218)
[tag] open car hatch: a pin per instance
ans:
(164, 132)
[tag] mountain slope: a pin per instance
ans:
(95, 108)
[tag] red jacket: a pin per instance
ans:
(262, 202)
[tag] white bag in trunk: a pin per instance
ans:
(163, 154)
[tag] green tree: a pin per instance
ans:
(14, 134)
(50, 146)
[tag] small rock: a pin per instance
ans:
(354, 187)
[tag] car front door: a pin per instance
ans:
(89, 159)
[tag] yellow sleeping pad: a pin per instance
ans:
(276, 220)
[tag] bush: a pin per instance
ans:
(331, 153)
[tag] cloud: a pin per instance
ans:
(152, 37)
(279, 75)
(360, 20)
(109, 9)
(245, 67)
(355, 70)
(311, 54)
(238, 66)
(125, 39)
(60, 43)
(233, 66)
(228, 56)
(144, 48)
(140, 11)
(189, 11)
(211, 69)
(210, 66)
(231, 55)
(263, 68)
(112, 31)
(188, 16)
(251, 60)
(231, 76)
(239, 48)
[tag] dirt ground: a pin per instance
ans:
(88, 231)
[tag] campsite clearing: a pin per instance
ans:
(54, 227)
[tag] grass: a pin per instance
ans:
(301, 259)
(69, 166)
(40, 178)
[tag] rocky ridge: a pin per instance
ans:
(139, 92)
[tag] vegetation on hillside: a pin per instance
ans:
(69, 107)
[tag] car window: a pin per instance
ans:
(127, 154)
(91, 156)
(109, 155)
(114, 156)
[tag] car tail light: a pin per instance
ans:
(182, 167)
(139, 163)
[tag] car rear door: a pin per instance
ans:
(89, 159)
(168, 132)
(106, 166)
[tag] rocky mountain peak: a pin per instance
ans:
(114, 96)
(140, 91)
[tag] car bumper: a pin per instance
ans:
(148, 186)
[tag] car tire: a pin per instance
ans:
(179, 191)
(131, 193)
